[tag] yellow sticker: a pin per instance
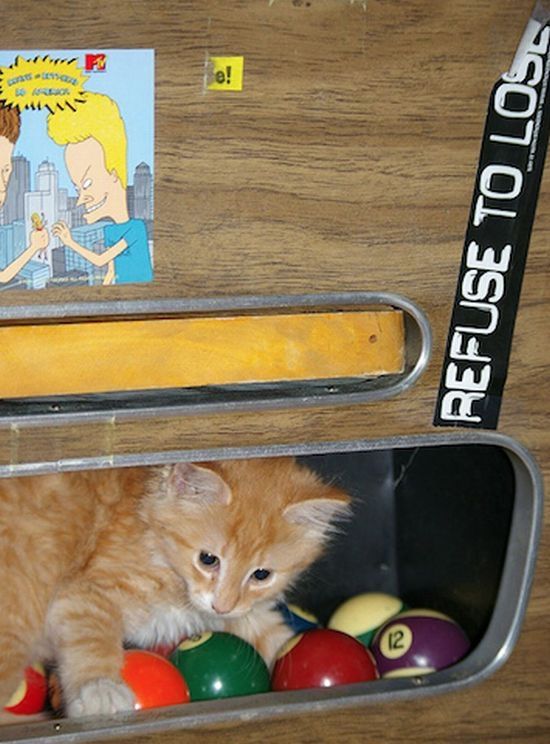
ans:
(226, 73)
(42, 82)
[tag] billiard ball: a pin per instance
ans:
(362, 615)
(418, 642)
(297, 619)
(220, 665)
(30, 697)
(153, 679)
(322, 658)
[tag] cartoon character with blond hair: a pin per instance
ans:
(10, 125)
(95, 142)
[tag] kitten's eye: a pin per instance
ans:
(207, 559)
(261, 574)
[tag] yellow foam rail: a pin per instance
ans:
(123, 355)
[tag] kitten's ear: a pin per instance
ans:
(319, 515)
(198, 484)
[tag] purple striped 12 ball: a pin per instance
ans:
(418, 642)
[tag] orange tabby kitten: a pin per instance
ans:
(89, 560)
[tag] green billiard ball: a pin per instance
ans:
(220, 665)
(362, 615)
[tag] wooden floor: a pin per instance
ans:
(346, 163)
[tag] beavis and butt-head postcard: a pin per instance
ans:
(76, 167)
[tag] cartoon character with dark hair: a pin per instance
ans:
(10, 125)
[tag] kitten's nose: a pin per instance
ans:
(222, 608)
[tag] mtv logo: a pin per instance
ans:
(95, 62)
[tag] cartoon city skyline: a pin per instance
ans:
(58, 265)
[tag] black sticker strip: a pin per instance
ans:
(497, 237)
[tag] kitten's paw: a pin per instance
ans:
(101, 697)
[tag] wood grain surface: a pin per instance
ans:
(154, 354)
(346, 163)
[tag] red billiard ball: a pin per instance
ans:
(30, 696)
(322, 658)
(153, 679)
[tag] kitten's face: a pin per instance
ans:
(239, 532)
(227, 578)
